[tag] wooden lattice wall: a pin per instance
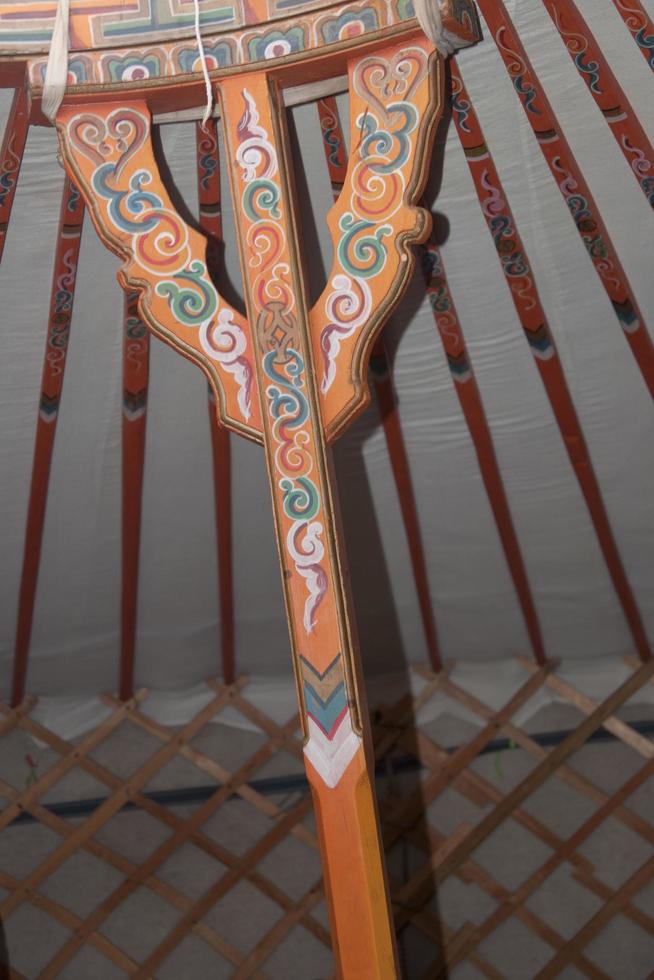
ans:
(438, 822)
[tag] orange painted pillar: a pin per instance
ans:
(339, 764)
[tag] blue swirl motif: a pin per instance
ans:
(334, 144)
(362, 255)
(379, 142)
(63, 302)
(527, 93)
(462, 109)
(209, 165)
(7, 184)
(73, 197)
(583, 218)
(290, 401)
(432, 268)
(646, 43)
(589, 72)
(512, 259)
(7, 181)
(289, 409)
(191, 304)
(10, 166)
(135, 329)
(134, 201)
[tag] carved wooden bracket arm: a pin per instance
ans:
(395, 99)
(108, 148)
(394, 102)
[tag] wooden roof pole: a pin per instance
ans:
(208, 162)
(639, 25)
(136, 357)
(54, 363)
(607, 92)
(572, 185)
(11, 157)
(524, 294)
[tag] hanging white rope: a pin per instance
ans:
(205, 71)
(56, 73)
(428, 13)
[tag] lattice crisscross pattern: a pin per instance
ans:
(449, 827)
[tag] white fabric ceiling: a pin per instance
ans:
(75, 640)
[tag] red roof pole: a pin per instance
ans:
(336, 157)
(11, 157)
(639, 25)
(61, 309)
(604, 88)
(465, 384)
(208, 163)
(520, 280)
(136, 355)
(571, 183)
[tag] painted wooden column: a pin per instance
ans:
(337, 741)
(291, 378)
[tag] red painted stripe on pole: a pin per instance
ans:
(606, 91)
(11, 157)
(520, 280)
(451, 334)
(208, 166)
(572, 186)
(61, 309)
(136, 356)
(639, 25)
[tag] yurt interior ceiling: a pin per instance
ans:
(497, 501)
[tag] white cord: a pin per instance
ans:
(56, 73)
(207, 81)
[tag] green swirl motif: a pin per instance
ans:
(301, 498)
(193, 304)
(378, 142)
(361, 254)
(261, 196)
